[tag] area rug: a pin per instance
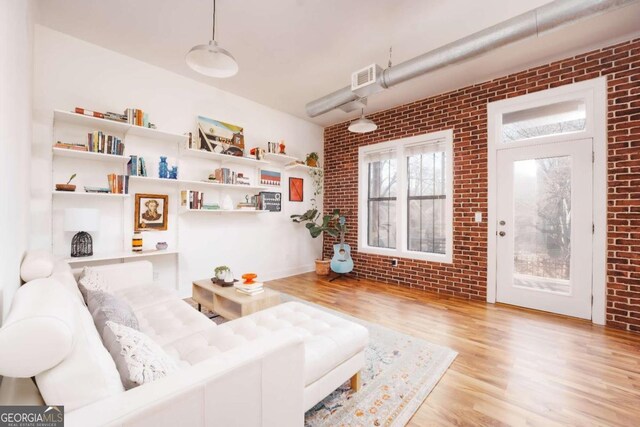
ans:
(399, 374)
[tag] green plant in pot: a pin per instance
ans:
(221, 271)
(312, 159)
(318, 224)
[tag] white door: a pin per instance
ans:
(544, 231)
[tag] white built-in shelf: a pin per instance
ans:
(89, 155)
(299, 166)
(120, 255)
(185, 182)
(87, 194)
(112, 126)
(223, 158)
(223, 211)
(279, 158)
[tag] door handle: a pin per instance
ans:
(502, 234)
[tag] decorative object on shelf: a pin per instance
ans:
(81, 220)
(296, 189)
(269, 201)
(210, 59)
(362, 125)
(268, 177)
(257, 152)
(248, 278)
(317, 182)
(282, 147)
(273, 147)
(220, 137)
(330, 225)
(151, 212)
(221, 271)
(173, 173)
(136, 242)
(163, 168)
(227, 203)
(312, 159)
(162, 246)
(248, 205)
(68, 186)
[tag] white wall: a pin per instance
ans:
(69, 72)
(16, 43)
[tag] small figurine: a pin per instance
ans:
(282, 147)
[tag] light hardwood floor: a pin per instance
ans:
(515, 366)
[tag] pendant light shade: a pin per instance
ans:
(210, 59)
(362, 125)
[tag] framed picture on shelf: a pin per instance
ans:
(151, 212)
(271, 178)
(296, 189)
(220, 137)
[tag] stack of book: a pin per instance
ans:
(253, 289)
(227, 176)
(192, 199)
(98, 142)
(118, 184)
(137, 117)
(136, 166)
(67, 146)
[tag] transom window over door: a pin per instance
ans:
(405, 197)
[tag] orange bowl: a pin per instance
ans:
(248, 278)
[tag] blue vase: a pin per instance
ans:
(163, 171)
(173, 173)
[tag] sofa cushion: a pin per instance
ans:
(329, 340)
(140, 297)
(37, 264)
(92, 279)
(105, 307)
(87, 373)
(138, 359)
(38, 332)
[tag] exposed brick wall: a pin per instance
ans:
(465, 111)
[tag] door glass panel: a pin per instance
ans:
(542, 224)
(553, 119)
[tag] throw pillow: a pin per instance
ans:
(92, 279)
(106, 307)
(139, 360)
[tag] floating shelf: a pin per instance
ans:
(279, 158)
(222, 211)
(184, 182)
(301, 167)
(119, 255)
(89, 155)
(223, 158)
(86, 194)
(116, 127)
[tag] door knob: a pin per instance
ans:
(502, 234)
(502, 223)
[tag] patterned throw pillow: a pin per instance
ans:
(92, 279)
(106, 307)
(139, 360)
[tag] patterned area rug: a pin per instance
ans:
(400, 372)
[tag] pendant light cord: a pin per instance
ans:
(213, 35)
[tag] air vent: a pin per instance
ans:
(364, 82)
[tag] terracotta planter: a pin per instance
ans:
(312, 162)
(323, 267)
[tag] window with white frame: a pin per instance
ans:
(405, 197)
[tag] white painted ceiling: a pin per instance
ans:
(293, 51)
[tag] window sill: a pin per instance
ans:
(418, 256)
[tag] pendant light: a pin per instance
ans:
(362, 125)
(210, 59)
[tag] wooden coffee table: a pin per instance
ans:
(228, 302)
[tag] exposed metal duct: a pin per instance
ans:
(545, 18)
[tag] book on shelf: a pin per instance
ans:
(71, 146)
(118, 184)
(192, 199)
(137, 117)
(99, 142)
(90, 189)
(136, 166)
(227, 176)
(89, 113)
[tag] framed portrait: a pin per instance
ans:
(151, 212)
(296, 189)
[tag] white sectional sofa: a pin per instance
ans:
(265, 369)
